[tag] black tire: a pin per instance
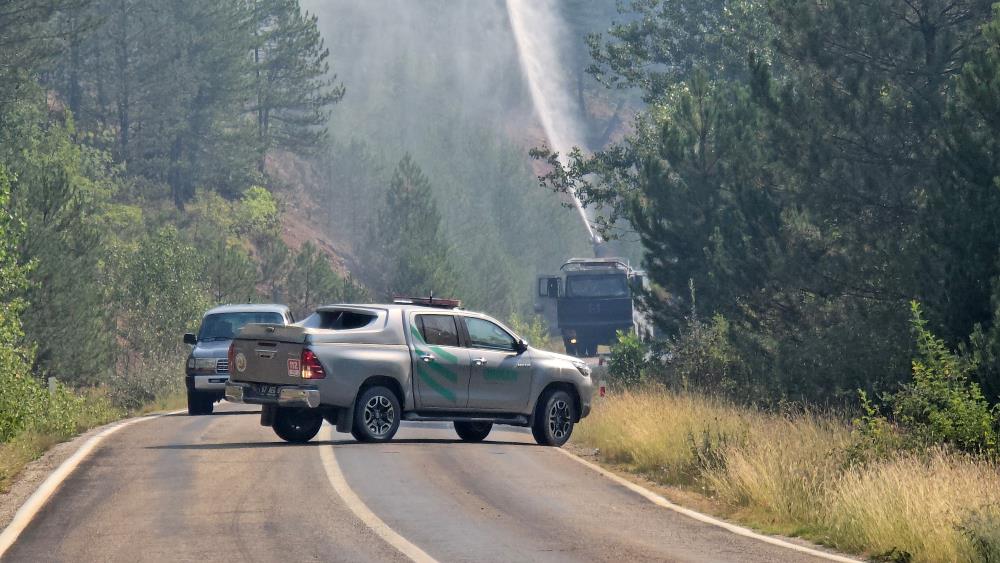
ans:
(376, 415)
(208, 404)
(473, 431)
(297, 425)
(196, 403)
(554, 416)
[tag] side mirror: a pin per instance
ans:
(521, 346)
(190, 339)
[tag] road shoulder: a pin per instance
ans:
(36, 472)
(692, 501)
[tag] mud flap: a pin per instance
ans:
(345, 418)
(267, 415)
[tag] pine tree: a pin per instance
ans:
(292, 81)
(311, 281)
(410, 256)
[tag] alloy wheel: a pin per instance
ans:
(379, 415)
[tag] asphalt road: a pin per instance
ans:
(222, 488)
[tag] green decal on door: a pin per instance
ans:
(424, 370)
(499, 374)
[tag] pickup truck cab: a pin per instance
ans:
(207, 367)
(365, 368)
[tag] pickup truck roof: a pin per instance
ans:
(407, 307)
(248, 308)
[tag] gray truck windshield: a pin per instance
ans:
(596, 286)
(224, 326)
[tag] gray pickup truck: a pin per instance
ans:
(207, 367)
(365, 368)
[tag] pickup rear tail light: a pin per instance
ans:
(603, 391)
(311, 368)
(232, 357)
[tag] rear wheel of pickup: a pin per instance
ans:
(554, 418)
(473, 431)
(297, 425)
(376, 415)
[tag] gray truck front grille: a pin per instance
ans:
(222, 366)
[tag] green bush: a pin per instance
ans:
(628, 361)
(942, 404)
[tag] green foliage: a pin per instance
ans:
(311, 281)
(941, 405)
(19, 392)
(702, 358)
(409, 253)
(292, 77)
(60, 192)
(159, 293)
(453, 97)
(873, 436)
(628, 361)
(814, 167)
(534, 330)
(982, 528)
(26, 43)
(258, 216)
(195, 94)
(230, 272)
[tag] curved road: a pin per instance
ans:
(222, 488)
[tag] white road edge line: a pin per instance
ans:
(44, 492)
(361, 510)
(739, 530)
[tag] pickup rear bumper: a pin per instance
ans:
(282, 395)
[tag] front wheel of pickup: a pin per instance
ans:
(376, 415)
(473, 431)
(297, 425)
(554, 418)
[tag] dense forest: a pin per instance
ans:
(801, 173)
(793, 175)
(162, 157)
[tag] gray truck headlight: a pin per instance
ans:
(204, 364)
(582, 367)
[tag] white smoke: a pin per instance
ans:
(539, 31)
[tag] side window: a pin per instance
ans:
(439, 330)
(484, 334)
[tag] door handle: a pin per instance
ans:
(427, 359)
(479, 361)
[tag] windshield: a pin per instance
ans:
(223, 326)
(596, 286)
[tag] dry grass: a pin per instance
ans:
(794, 474)
(174, 401)
(921, 506)
(20, 451)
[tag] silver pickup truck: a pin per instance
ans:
(365, 368)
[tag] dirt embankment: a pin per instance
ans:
(294, 183)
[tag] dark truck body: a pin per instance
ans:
(590, 302)
(484, 374)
